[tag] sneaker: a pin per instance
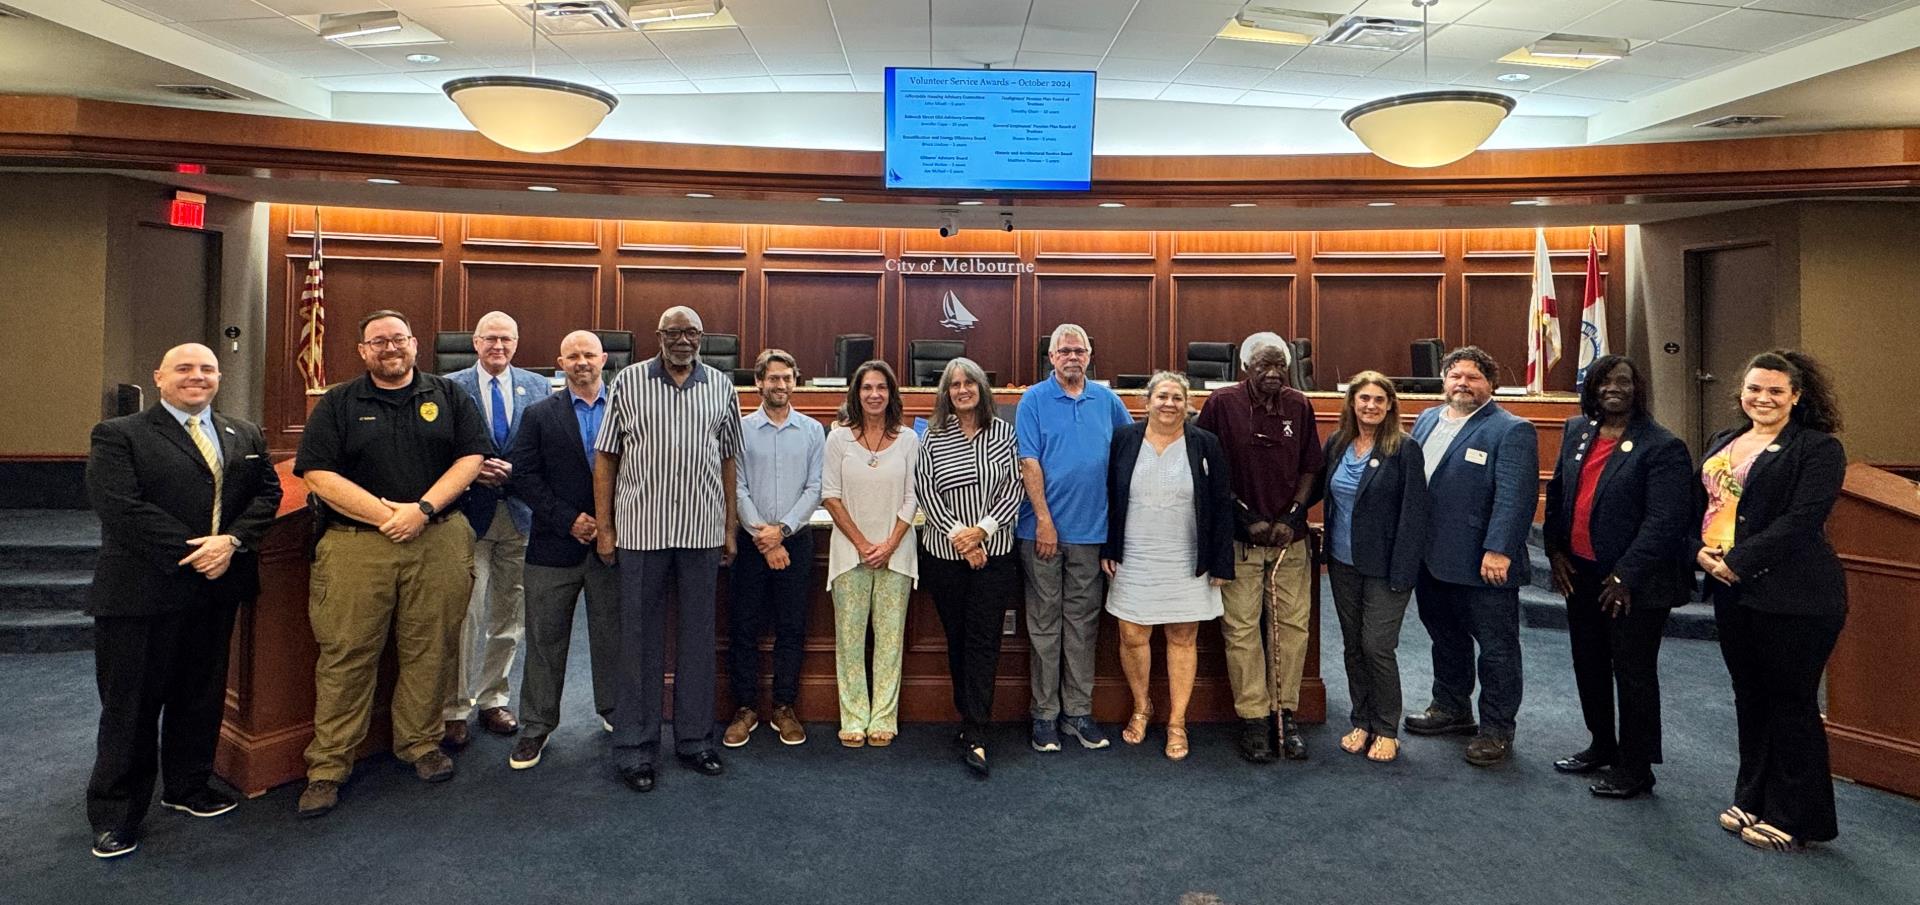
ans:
(1046, 736)
(434, 766)
(1254, 744)
(605, 726)
(114, 843)
(203, 803)
(741, 729)
(319, 797)
(526, 752)
(1086, 730)
(792, 732)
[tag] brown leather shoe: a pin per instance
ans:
(319, 797)
(1487, 750)
(434, 766)
(499, 721)
(788, 725)
(741, 729)
(456, 735)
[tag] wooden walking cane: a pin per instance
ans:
(1273, 651)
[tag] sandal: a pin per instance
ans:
(1733, 819)
(1355, 742)
(1384, 750)
(880, 738)
(853, 739)
(1177, 742)
(1136, 731)
(1768, 836)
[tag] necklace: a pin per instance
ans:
(873, 455)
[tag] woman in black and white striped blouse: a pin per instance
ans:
(968, 484)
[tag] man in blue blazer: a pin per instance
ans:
(1483, 469)
(494, 622)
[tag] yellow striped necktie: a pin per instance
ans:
(213, 464)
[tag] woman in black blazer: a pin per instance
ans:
(1375, 491)
(1617, 517)
(1169, 547)
(1780, 596)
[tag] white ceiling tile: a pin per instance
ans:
(700, 41)
(439, 77)
(1317, 84)
(1050, 39)
(1191, 17)
(1107, 87)
(396, 57)
(200, 10)
(1368, 89)
(971, 59)
(1536, 15)
(1476, 42)
(1645, 20)
(1335, 103)
(722, 66)
(874, 65)
(634, 71)
(1338, 60)
(1551, 105)
(1241, 77)
(319, 7)
(1228, 52)
(608, 47)
(1403, 9)
(805, 63)
(491, 33)
(879, 26)
(327, 61)
(1279, 99)
(983, 30)
(1128, 69)
(1073, 61)
(1674, 61)
(274, 35)
(814, 82)
(869, 83)
(409, 7)
(133, 6)
(658, 88)
(1747, 29)
(736, 86)
(781, 13)
(1607, 86)
(1074, 26)
(1408, 66)
(1488, 77)
(376, 84)
(1142, 44)
(1201, 94)
(792, 40)
(1846, 8)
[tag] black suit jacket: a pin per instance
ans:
(1640, 508)
(550, 475)
(1391, 511)
(1780, 548)
(1212, 497)
(152, 490)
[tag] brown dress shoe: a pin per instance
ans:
(741, 729)
(319, 797)
(456, 735)
(788, 725)
(499, 721)
(434, 766)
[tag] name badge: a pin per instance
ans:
(1477, 456)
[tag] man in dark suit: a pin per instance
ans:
(1483, 466)
(184, 496)
(552, 466)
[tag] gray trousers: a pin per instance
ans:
(1370, 615)
(1064, 597)
(646, 576)
(553, 594)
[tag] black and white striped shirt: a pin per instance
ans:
(671, 439)
(966, 483)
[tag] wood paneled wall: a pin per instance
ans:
(1360, 296)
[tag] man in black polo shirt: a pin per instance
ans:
(388, 453)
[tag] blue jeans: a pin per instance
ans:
(1457, 617)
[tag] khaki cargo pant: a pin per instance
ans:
(362, 587)
(1244, 599)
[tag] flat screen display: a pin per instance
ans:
(989, 130)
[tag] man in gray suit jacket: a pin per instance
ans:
(1483, 469)
(491, 634)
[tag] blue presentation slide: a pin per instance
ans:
(985, 130)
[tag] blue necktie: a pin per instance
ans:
(499, 417)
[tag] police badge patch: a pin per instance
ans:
(429, 411)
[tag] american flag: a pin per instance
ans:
(310, 357)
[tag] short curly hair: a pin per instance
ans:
(1480, 359)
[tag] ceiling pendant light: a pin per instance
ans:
(1427, 128)
(529, 113)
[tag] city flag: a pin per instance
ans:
(1543, 318)
(1593, 313)
(310, 356)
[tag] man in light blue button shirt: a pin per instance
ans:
(778, 484)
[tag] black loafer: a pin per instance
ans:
(1434, 721)
(1615, 783)
(203, 803)
(705, 763)
(1587, 761)
(114, 843)
(639, 779)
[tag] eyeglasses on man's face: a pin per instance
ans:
(383, 343)
(496, 339)
(687, 335)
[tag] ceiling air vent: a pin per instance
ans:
(202, 92)
(1736, 121)
(1372, 33)
(578, 17)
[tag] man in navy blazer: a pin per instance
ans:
(1483, 469)
(494, 623)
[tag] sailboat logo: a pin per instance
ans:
(955, 316)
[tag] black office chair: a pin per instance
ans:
(453, 351)
(1301, 372)
(618, 344)
(1426, 357)
(1212, 361)
(721, 350)
(850, 351)
(926, 358)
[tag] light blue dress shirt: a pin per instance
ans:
(206, 427)
(779, 471)
(1343, 484)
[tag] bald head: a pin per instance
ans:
(582, 359)
(188, 377)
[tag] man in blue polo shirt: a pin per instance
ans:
(1064, 426)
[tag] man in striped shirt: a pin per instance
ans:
(663, 490)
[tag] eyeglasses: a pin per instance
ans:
(383, 343)
(674, 336)
(1070, 351)
(496, 340)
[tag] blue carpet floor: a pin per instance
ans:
(819, 823)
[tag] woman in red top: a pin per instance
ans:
(1617, 510)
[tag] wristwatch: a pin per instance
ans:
(786, 530)
(428, 508)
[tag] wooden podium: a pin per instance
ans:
(1873, 714)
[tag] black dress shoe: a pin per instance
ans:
(204, 803)
(1587, 761)
(1434, 721)
(705, 763)
(114, 843)
(639, 779)
(1255, 746)
(1618, 783)
(1291, 743)
(974, 755)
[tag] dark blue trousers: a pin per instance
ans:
(758, 594)
(646, 577)
(1457, 617)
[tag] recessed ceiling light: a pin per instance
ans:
(1243, 204)
(1527, 202)
(829, 199)
(699, 195)
(1113, 204)
(541, 188)
(382, 180)
(971, 203)
(1381, 203)
(422, 58)
(1512, 77)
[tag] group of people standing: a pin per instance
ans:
(464, 515)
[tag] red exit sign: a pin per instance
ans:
(189, 209)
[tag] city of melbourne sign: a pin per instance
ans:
(958, 265)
